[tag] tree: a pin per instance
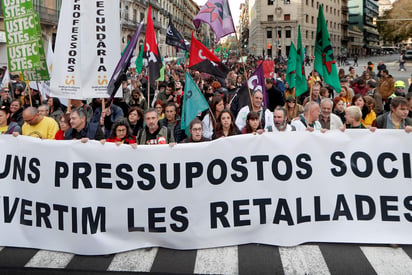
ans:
(397, 30)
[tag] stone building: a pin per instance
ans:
(273, 25)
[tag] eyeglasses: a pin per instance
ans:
(121, 130)
(196, 129)
(30, 120)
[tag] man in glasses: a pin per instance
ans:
(37, 125)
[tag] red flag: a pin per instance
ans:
(268, 68)
(151, 50)
(203, 60)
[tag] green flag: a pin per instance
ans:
(325, 63)
(193, 103)
(291, 67)
(139, 60)
(162, 74)
(217, 50)
(301, 84)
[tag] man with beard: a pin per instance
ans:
(280, 121)
(153, 133)
(327, 119)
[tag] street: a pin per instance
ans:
(391, 62)
(309, 258)
(242, 259)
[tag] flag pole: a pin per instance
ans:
(243, 64)
(148, 88)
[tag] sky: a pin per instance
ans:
(234, 8)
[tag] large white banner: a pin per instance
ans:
(276, 188)
(87, 48)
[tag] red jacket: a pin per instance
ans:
(127, 140)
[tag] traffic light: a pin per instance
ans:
(374, 21)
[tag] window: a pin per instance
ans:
(270, 18)
(126, 13)
(307, 18)
(134, 15)
(313, 34)
(288, 34)
(269, 34)
(313, 20)
(287, 2)
(307, 34)
(312, 3)
(307, 2)
(270, 2)
(279, 33)
(142, 16)
(286, 17)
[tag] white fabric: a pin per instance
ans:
(86, 55)
(301, 127)
(241, 118)
(305, 187)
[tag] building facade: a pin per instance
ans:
(132, 12)
(273, 25)
(361, 16)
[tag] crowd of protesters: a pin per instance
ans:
(372, 100)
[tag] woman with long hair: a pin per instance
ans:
(121, 133)
(55, 108)
(368, 115)
(16, 112)
(135, 119)
(160, 108)
(209, 121)
(346, 96)
(293, 109)
(252, 123)
(339, 108)
(7, 127)
(225, 125)
(137, 99)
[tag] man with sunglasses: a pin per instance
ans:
(37, 125)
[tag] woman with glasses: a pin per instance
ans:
(196, 132)
(64, 123)
(121, 133)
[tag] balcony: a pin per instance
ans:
(47, 15)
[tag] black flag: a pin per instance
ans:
(173, 37)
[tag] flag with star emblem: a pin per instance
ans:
(325, 63)
(216, 13)
(151, 50)
(203, 60)
(173, 37)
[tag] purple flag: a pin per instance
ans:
(216, 13)
(122, 65)
(256, 81)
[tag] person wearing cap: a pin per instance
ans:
(5, 98)
(265, 116)
(397, 118)
(293, 109)
(386, 85)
